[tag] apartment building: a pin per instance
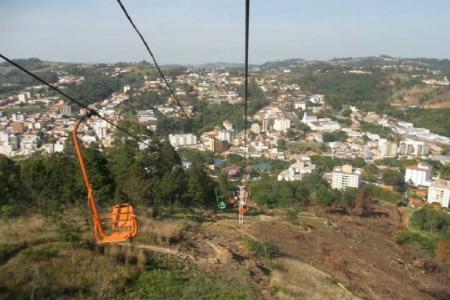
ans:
(439, 192)
(345, 176)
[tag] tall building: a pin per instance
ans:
(65, 110)
(439, 192)
(345, 177)
(266, 124)
(226, 135)
(413, 148)
(281, 124)
(388, 149)
(101, 128)
(419, 175)
(177, 140)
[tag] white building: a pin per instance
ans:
(17, 117)
(413, 148)
(255, 128)
(225, 135)
(345, 177)
(177, 140)
(317, 99)
(65, 110)
(101, 128)
(49, 148)
(60, 144)
(7, 149)
(281, 124)
(300, 105)
(22, 98)
(306, 119)
(419, 175)
(388, 149)
(29, 142)
(297, 170)
(266, 124)
(324, 125)
(146, 116)
(439, 192)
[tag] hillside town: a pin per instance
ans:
(293, 126)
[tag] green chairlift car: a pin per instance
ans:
(221, 203)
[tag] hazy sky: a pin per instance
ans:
(200, 31)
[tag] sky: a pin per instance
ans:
(205, 31)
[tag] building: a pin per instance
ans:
(308, 118)
(300, 105)
(266, 124)
(220, 146)
(17, 117)
(60, 144)
(439, 192)
(101, 128)
(177, 140)
(345, 176)
(255, 128)
(413, 148)
(24, 97)
(324, 125)
(227, 125)
(65, 110)
(297, 170)
(17, 127)
(317, 99)
(281, 124)
(226, 135)
(419, 175)
(388, 149)
(29, 142)
(49, 148)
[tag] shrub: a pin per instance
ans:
(272, 250)
(6, 212)
(425, 241)
(430, 219)
(264, 250)
(176, 284)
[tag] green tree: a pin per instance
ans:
(199, 187)
(100, 175)
(50, 182)
(430, 219)
(335, 136)
(394, 178)
(9, 181)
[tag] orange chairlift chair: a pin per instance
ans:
(124, 221)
